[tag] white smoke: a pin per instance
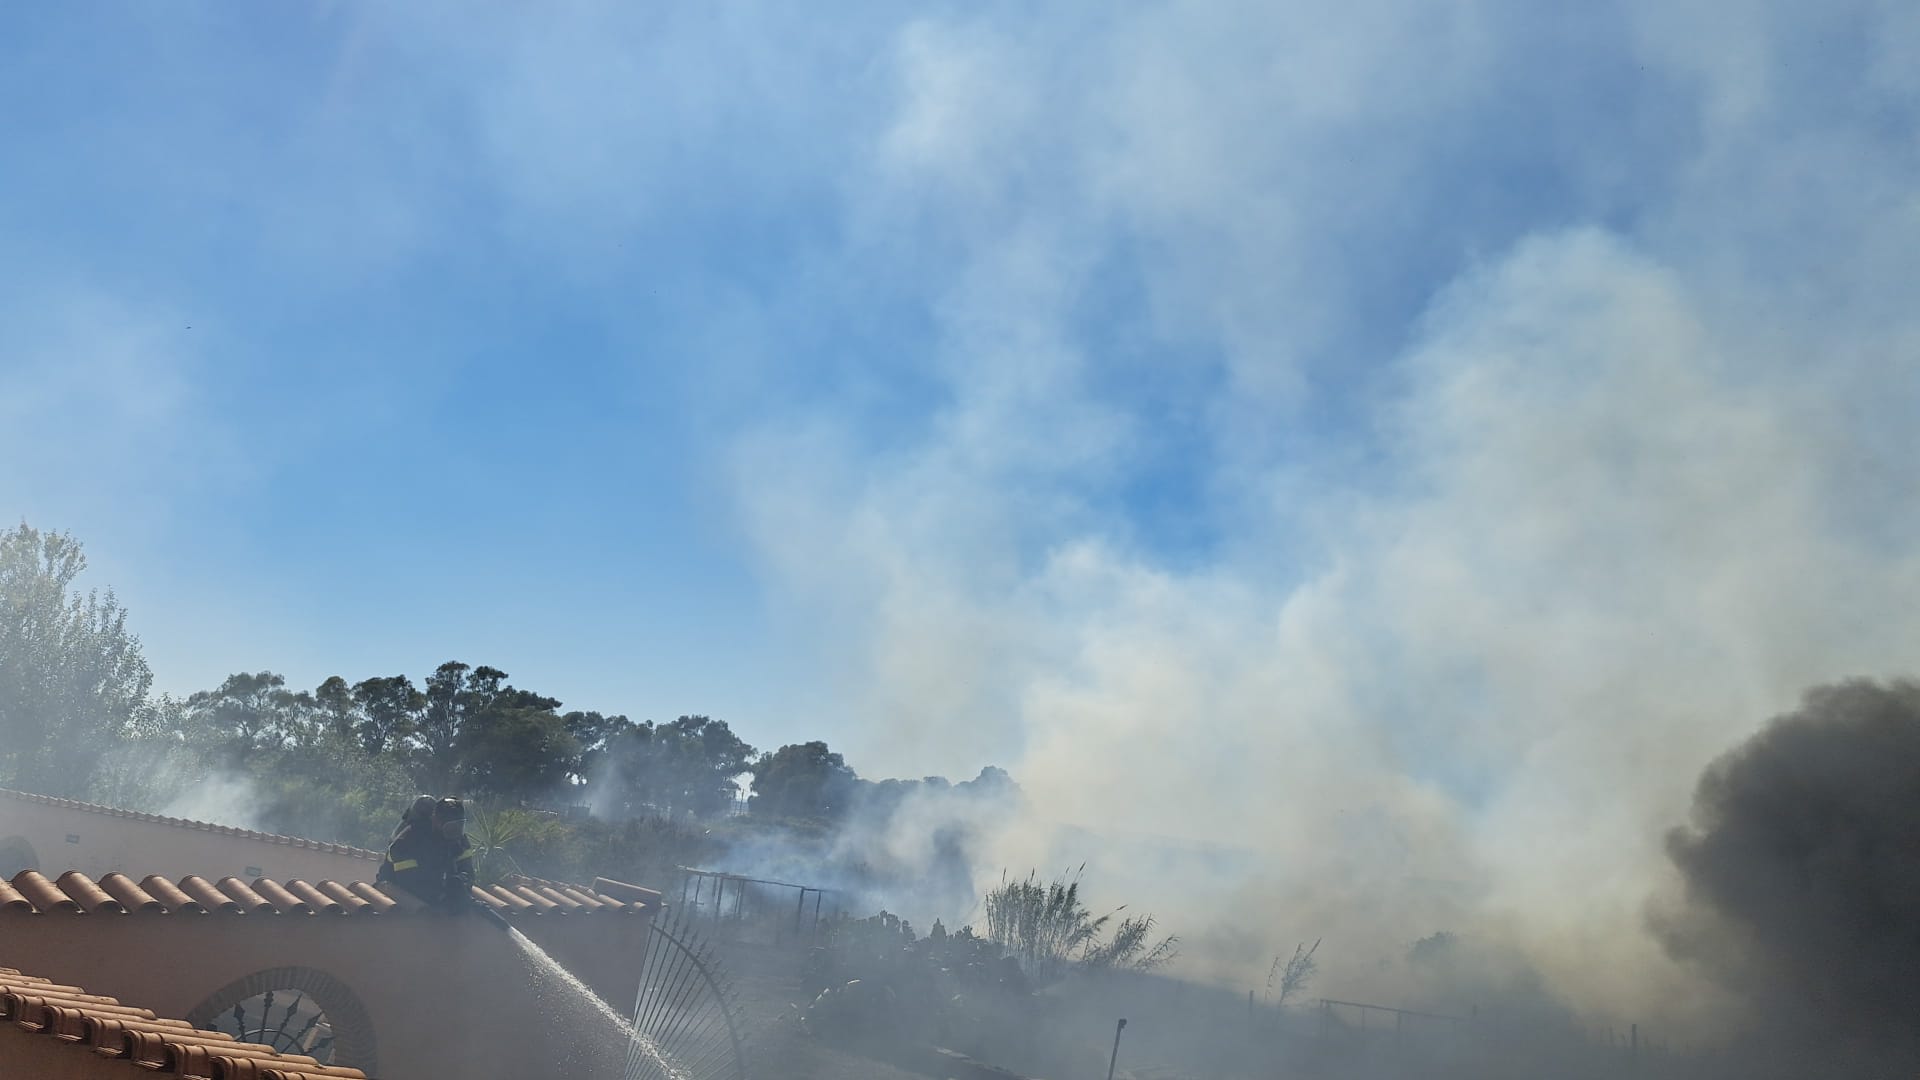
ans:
(1385, 450)
(224, 798)
(1630, 481)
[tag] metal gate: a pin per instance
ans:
(686, 1020)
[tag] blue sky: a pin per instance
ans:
(1225, 416)
(432, 422)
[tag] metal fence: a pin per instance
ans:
(752, 910)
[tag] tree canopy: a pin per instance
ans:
(802, 780)
(72, 678)
(340, 760)
(688, 766)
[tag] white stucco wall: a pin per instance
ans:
(97, 840)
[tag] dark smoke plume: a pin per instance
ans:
(1802, 882)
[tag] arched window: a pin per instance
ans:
(295, 1010)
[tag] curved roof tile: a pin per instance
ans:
(610, 894)
(116, 896)
(148, 1043)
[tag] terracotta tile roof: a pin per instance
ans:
(73, 893)
(201, 826)
(144, 1042)
(603, 894)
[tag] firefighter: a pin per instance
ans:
(430, 856)
(419, 816)
(421, 811)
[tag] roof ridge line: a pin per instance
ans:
(190, 823)
(30, 893)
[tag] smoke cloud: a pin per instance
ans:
(1436, 508)
(1801, 887)
(916, 848)
(1353, 464)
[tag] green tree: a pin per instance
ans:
(514, 748)
(704, 758)
(72, 678)
(595, 736)
(334, 705)
(622, 782)
(454, 692)
(329, 788)
(802, 780)
(288, 761)
(249, 713)
(686, 767)
(151, 767)
(386, 712)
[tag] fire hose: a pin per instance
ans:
(487, 912)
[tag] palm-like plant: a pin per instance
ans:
(1047, 928)
(1293, 976)
(495, 839)
(1131, 947)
